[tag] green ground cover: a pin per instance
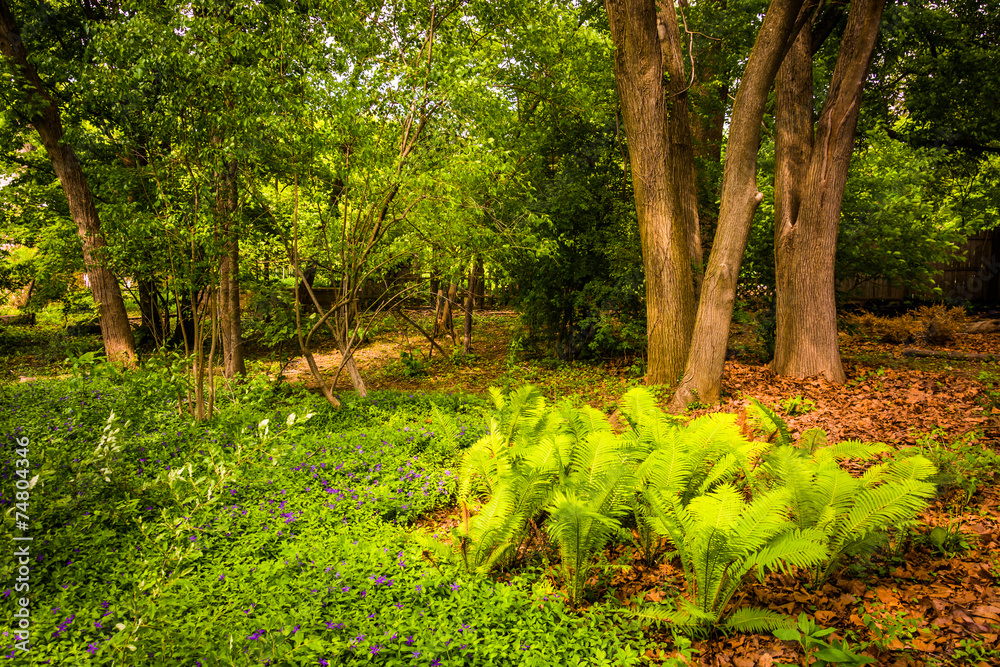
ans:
(264, 536)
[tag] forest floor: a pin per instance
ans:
(919, 601)
(915, 602)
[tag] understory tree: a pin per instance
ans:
(36, 104)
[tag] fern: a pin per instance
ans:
(722, 539)
(853, 514)
(756, 620)
(768, 421)
(581, 531)
(532, 453)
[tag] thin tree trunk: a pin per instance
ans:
(199, 354)
(740, 197)
(415, 325)
(811, 191)
(119, 343)
(480, 284)
(149, 307)
(229, 281)
(23, 297)
(214, 307)
(669, 289)
(438, 305)
(469, 300)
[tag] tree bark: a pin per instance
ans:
(683, 178)
(480, 284)
(229, 281)
(469, 303)
(119, 343)
(149, 307)
(810, 176)
(702, 379)
(638, 68)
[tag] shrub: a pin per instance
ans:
(935, 324)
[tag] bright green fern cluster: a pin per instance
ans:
(729, 508)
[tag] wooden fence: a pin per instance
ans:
(977, 279)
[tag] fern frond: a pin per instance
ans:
(719, 509)
(435, 547)
(878, 508)
(916, 468)
(580, 532)
(685, 615)
(638, 405)
(770, 422)
(795, 548)
(761, 520)
(835, 491)
(789, 467)
(713, 433)
(756, 620)
(854, 449)
(669, 466)
(723, 469)
(594, 458)
(497, 396)
(812, 439)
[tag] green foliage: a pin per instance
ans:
(818, 650)
(853, 513)
(564, 460)
(721, 540)
(895, 224)
(991, 389)
(796, 405)
(695, 485)
(963, 466)
(948, 541)
(261, 536)
(887, 627)
(413, 365)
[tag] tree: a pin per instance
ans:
(638, 67)
(679, 340)
(810, 174)
(41, 110)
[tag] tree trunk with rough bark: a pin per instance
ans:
(229, 265)
(810, 176)
(683, 178)
(119, 343)
(638, 68)
(702, 379)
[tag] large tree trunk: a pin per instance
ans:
(683, 178)
(119, 344)
(229, 281)
(810, 176)
(664, 236)
(703, 374)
